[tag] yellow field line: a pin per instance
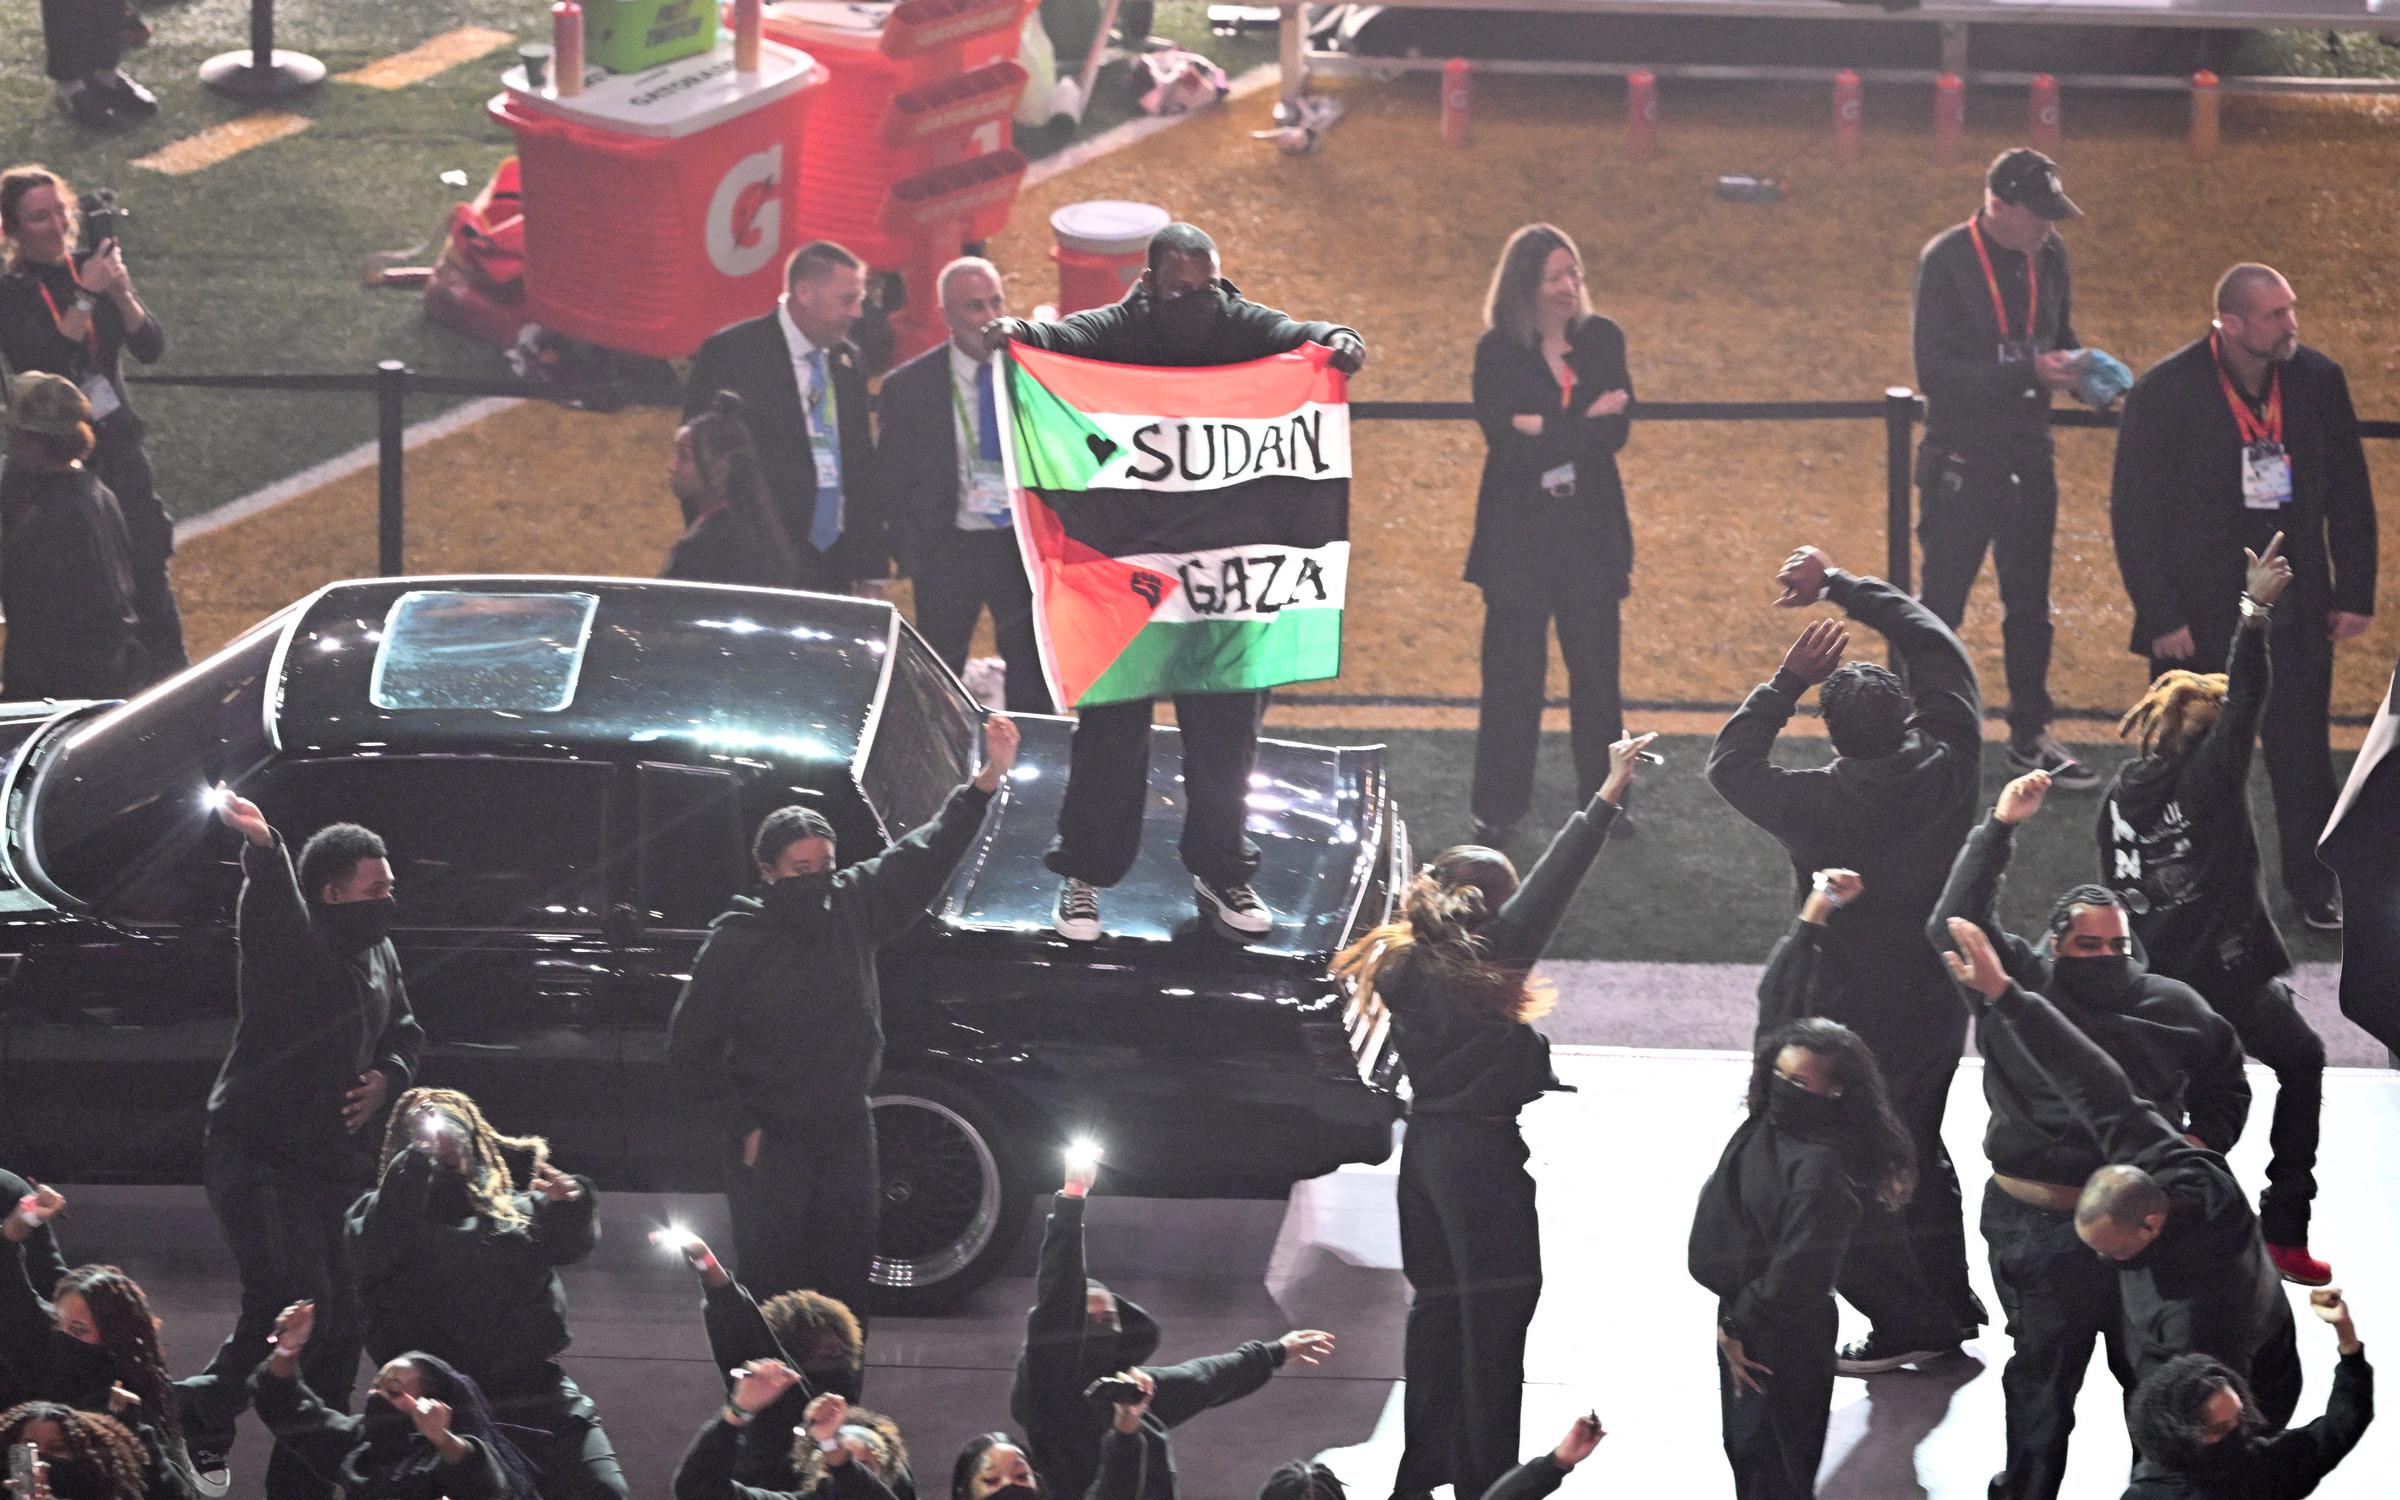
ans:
(220, 142)
(424, 60)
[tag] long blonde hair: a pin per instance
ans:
(1435, 937)
(2178, 711)
(1508, 305)
(490, 1185)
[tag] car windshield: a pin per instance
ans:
(123, 792)
(924, 741)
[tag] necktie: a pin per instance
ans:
(987, 415)
(825, 526)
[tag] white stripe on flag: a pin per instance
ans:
(1189, 454)
(1246, 583)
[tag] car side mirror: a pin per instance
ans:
(624, 926)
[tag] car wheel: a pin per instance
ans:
(953, 1204)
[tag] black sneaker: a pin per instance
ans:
(1874, 1354)
(2043, 752)
(129, 98)
(2324, 913)
(88, 106)
(1236, 906)
(1078, 915)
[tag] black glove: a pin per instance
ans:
(1349, 351)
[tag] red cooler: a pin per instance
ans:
(659, 205)
(1102, 247)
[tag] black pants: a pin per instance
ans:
(962, 574)
(1775, 1439)
(1967, 504)
(1907, 1271)
(1516, 660)
(2257, 1343)
(2275, 1033)
(1471, 1245)
(804, 1213)
(1108, 783)
(285, 1232)
(81, 37)
(2296, 739)
(124, 466)
(561, 1434)
(2058, 1297)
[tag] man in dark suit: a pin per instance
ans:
(938, 451)
(804, 392)
(2234, 437)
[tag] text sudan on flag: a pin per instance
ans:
(1185, 530)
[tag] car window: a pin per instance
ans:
(924, 740)
(475, 842)
(693, 854)
(520, 653)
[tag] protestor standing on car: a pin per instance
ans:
(1552, 541)
(1773, 1223)
(2182, 1057)
(2238, 436)
(732, 533)
(937, 442)
(831, 1458)
(2164, 1212)
(74, 313)
(1079, 1331)
(457, 1261)
(2201, 1435)
(66, 575)
(785, 989)
(324, 1039)
(1892, 806)
(82, 43)
(1453, 969)
(1181, 313)
(427, 1432)
(2177, 845)
(83, 1455)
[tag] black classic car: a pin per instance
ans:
(568, 772)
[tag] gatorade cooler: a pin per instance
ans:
(1102, 247)
(659, 205)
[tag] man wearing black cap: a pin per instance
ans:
(2240, 434)
(780, 1032)
(1994, 337)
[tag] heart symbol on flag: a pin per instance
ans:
(1103, 449)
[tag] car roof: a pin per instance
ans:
(693, 670)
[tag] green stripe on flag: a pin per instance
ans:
(1051, 437)
(1223, 656)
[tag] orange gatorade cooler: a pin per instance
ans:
(1102, 247)
(659, 205)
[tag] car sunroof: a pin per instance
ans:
(517, 653)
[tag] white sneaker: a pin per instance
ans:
(1237, 906)
(1078, 915)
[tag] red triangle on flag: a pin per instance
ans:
(1092, 605)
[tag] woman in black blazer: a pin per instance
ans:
(1552, 542)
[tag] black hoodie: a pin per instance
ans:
(1129, 332)
(2281, 1466)
(1064, 1353)
(1771, 1227)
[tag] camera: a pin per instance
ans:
(103, 217)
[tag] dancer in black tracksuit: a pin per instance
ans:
(828, 1462)
(2177, 844)
(1893, 805)
(1452, 970)
(2183, 1057)
(1768, 1236)
(2165, 1213)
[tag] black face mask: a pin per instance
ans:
(77, 1479)
(1798, 1111)
(1017, 1492)
(2095, 982)
(1185, 324)
(356, 926)
(799, 900)
(79, 1369)
(385, 1425)
(2227, 1453)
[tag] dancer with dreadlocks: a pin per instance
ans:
(94, 1346)
(457, 1261)
(1453, 971)
(84, 1455)
(426, 1434)
(2177, 845)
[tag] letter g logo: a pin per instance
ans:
(745, 217)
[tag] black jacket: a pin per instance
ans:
(1123, 333)
(730, 544)
(335, 1450)
(1974, 403)
(1459, 1064)
(2282, 1466)
(2183, 1058)
(2177, 844)
(66, 587)
(708, 1471)
(752, 360)
(1771, 1227)
(2205, 1284)
(738, 1333)
(1535, 1478)
(1065, 1435)
(2175, 503)
(916, 450)
(48, 1365)
(1529, 544)
(312, 1020)
(1897, 819)
(782, 1019)
(433, 1275)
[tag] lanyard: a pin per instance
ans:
(91, 327)
(2033, 284)
(2254, 429)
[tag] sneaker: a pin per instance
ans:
(1236, 906)
(2299, 1267)
(86, 106)
(2043, 752)
(212, 1478)
(1078, 916)
(129, 98)
(1875, 1354)
(2324, 913)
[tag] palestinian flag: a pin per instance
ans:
(1185, 530)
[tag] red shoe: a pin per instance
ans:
(2298, 1266)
